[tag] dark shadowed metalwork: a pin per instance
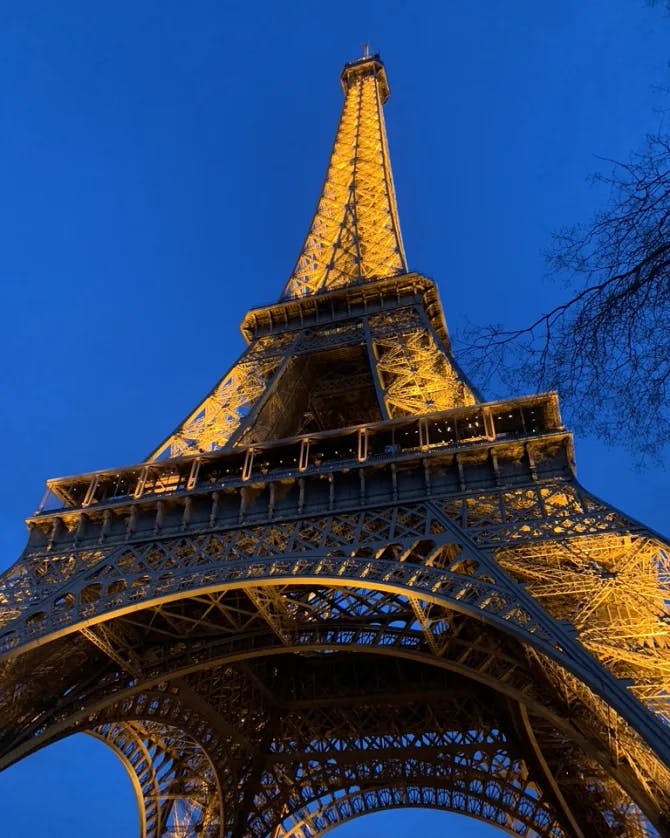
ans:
(345, 583)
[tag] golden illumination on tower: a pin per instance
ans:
(355, 234)
(344, 583)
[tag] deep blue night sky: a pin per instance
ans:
(160, 163)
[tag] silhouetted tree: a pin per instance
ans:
(607, 348)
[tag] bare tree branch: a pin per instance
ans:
(606, 349)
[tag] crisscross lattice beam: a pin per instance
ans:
(174, 780)
(355, 234)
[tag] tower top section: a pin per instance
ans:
(367, 65)
(355, 234)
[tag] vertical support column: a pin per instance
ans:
(372, 360)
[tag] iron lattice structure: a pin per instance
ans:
(345, 582)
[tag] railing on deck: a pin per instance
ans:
(391, 440)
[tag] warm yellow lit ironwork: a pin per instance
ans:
(416, 377)
(355, 234)
(344, 583)
(354, 238)
(215, 419)
(613, 589)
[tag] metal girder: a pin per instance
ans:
(407, 600)
(272, 606)
(107, 639)
(174, 781)
(355, 234)
(416, 377)
(218, 416)
(554, 786)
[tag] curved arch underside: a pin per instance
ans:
(327, 738)
(417, 548)
(278, 689)
(358, 589)
(343, 737)
(251, 664)
(175, 783)
(338, 809)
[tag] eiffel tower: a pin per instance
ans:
(345, 582)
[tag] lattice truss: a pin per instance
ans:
(413, 368)
(416, 374)
(614, 591)
(354, 238)
(613, 588)
(411, 583)
(213, 422)
(355, 234)
(503, 652)
(172, 775)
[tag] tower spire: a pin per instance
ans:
(355, 234)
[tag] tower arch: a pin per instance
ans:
(344, 578)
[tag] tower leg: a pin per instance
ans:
(175, 783)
